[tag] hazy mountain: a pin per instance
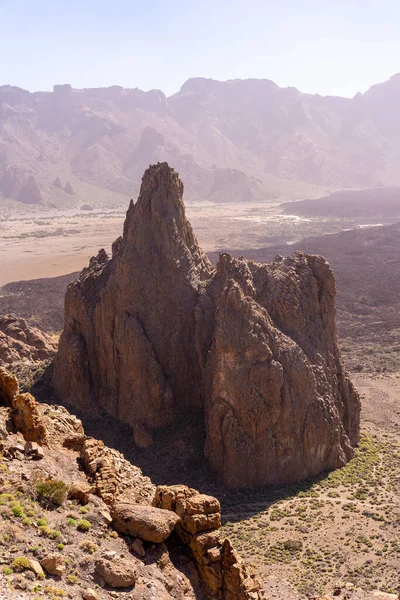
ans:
(239, 140)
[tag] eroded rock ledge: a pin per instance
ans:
(156, 330)
(129, 503)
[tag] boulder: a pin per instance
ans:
(117, 572)
(35, 567)
(90, 594)
(33, 450)
(53, 564)
(145, 522)
(80, 490)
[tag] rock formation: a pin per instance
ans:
(68, 189)
(223, 573)
(30, 192)
(125, 502)
(156, 330)
(24, 414)
(20, 341)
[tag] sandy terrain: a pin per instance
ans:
(47, 244)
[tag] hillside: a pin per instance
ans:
(379, 203)
(239, 140)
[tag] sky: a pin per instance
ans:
(330, 47)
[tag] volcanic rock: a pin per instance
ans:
(117, 572)
(146, 522)
(21, 342)
(155, 331)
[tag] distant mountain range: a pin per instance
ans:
(239, 140)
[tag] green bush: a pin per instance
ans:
(83, 525)
(21, 563)
(52, 492)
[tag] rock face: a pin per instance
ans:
(156, 330)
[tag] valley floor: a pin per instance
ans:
(343, 530)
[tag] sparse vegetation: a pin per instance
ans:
(51, 492)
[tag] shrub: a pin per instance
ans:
(83, 525)
(7, 570)
(42, 522)
(71, 521)
(52, 492)
(5, 498)
(21, 563)
(17, 510)
(88, 546)
(52, 534)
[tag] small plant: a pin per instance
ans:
(27, 521)
(71, 521)
(5, 499)
(72, 579)
(7, 570)
(52, 534)
(52, 492)
(42, 522)
(83, 525)
(61, 546)
(88, 546)
(84, 509)
(21, 563)
(17, 510)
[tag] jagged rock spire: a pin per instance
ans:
(155, 330)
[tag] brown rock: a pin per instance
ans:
(28, 420)
(9, 387)
(20, 341)
(80, 490)
(167, 496)
(54, 564)
(33, 450)
(90, 594)
(146, 522)
(117, 572)
(137, 548)
(99, 465)
(35, 567)
(155, 330)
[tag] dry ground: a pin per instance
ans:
(343, 529)
(37, 243)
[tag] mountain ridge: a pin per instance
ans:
(239, 140)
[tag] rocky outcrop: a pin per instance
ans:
(221, 570)
(68, 189)
(24, 414)
(21, 342)
(30, 192)
(145, 522)
(156, 330)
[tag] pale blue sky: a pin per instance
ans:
(326, 46)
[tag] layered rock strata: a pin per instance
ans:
(221, 570)
(155, 330)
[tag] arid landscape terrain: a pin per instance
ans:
(255, 187)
